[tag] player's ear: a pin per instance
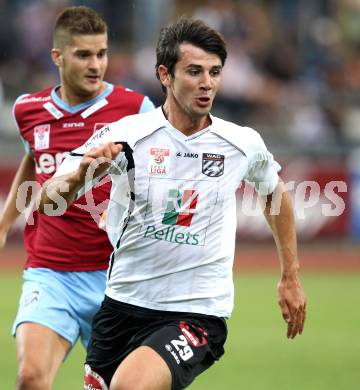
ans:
(164, 75)
(56, 56)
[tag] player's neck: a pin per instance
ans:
(184, 122)
(73, 99)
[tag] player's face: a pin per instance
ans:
(82, 64)
(196, 80)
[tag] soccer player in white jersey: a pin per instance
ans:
(171, 220)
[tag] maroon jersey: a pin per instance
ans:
(51, 129)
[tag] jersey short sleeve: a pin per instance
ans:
(26, 146)
(262, 168)
(110, 133)
(23, 140)
(105, 134)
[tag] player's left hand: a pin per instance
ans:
(292, 301)
(98, 159)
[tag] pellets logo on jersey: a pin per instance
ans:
(213, 164)
(41, 137)
(180, 207)
(180, 210)
(159, 161)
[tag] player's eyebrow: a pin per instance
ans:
(87, 51)
(82, 51)
(217, 67)
(196, 66)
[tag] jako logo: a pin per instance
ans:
(187, 155)
(186, 202)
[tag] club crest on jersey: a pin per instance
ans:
(213, 164)
(159, 161)
(41, 137)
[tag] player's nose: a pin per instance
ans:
(206, 81)
(94, 62)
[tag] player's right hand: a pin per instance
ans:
(98, 160)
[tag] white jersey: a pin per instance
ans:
(172, 213)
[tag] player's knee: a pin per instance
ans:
(123, 383)
(30, 377)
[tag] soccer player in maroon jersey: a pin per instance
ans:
(67, 256)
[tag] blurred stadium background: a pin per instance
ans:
(293, 73)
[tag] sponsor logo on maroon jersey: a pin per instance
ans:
(42, 137)
(48, 163)
(34, 100)
(70, 125)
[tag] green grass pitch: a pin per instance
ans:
(258, 355)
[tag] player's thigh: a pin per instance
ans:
(189, 346)
(39, 349)
(143, 369)
(86, 291)
(45, 300)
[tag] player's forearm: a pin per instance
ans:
(25, 172)
(283, 229)
(58, 193)
(290, 294)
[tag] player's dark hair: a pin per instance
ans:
(79, 20)
(195, 32)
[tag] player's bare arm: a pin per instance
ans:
(291, 296)
(94, 162)
(25, 172)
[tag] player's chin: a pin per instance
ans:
(203, 111)
(91, 88)
(92, 82)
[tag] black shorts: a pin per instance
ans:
(189, 343)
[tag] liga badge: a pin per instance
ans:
(42, 137)
(213, 164)
(159, 161)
